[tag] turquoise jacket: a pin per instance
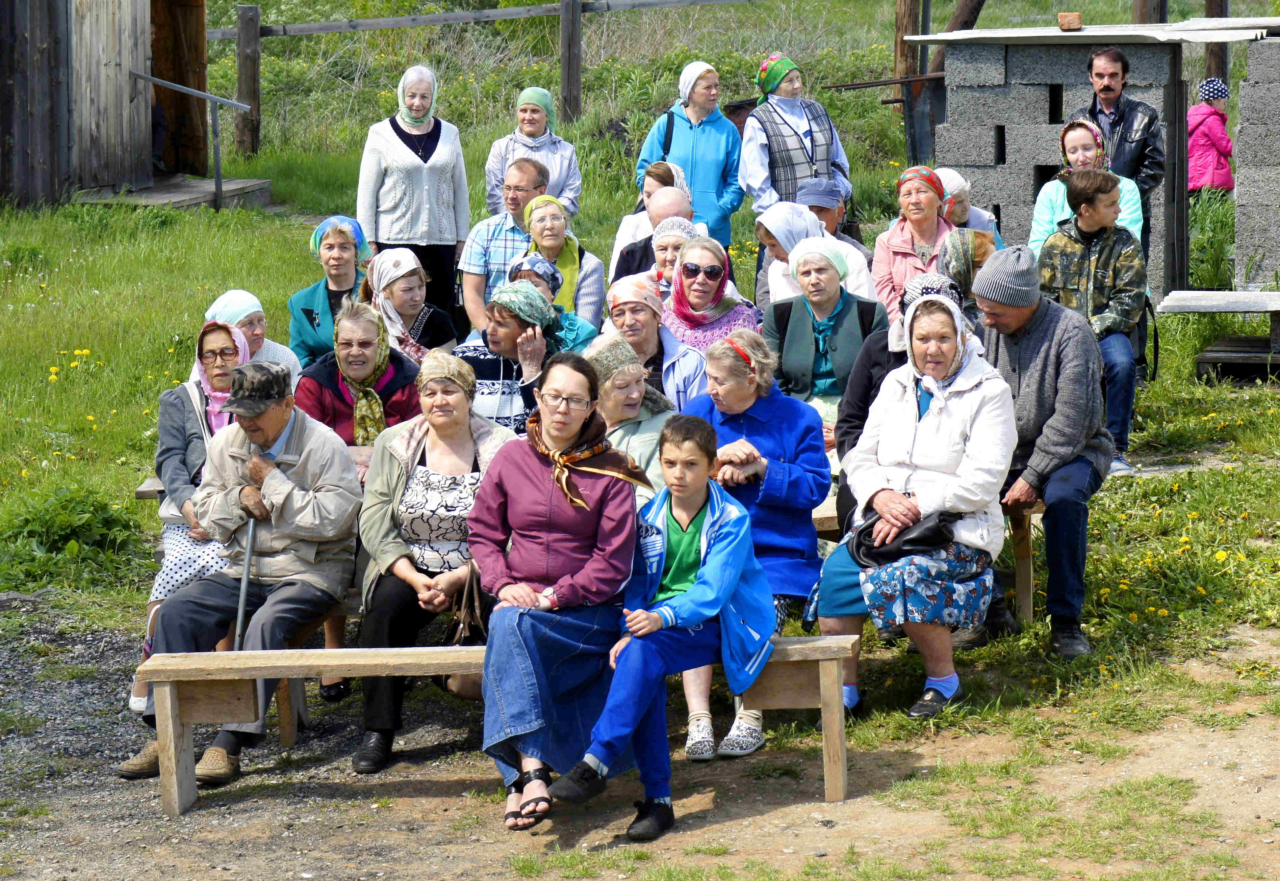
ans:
(311, 323)
(1052, 209)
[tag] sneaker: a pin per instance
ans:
(1120, 466)
(652, 819)
(137, 705)
(742, 740)
(932, 703)
(1067, 639)
(582, 783)
(216, 768)
(374, 753)
(700, 745)
(145, 764)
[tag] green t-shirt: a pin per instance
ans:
(684, 555)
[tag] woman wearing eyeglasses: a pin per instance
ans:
(189, 416)
(704, 306)
(553, 529)
(582, 293)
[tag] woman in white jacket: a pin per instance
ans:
(939, 437)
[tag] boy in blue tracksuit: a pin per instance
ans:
(696, 596)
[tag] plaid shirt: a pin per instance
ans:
(491, 247)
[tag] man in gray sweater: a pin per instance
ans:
(1050, 358)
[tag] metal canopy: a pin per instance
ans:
(1196, 30)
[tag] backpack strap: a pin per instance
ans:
(666, 139)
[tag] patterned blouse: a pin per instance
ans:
(433, 517)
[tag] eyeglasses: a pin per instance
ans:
(554, 402)
(690, 271)
(358, 345)
(518, 191)
(227, 354)
(550, 220)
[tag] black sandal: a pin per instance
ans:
(543, 775)
(514, 788)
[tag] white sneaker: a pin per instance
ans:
(700, 745)
(742, 740)
(1120, 467)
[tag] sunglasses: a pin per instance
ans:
(691, 271)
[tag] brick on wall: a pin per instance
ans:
(998, 105)
(1082, 96)
(1067, 65)
(1256, 244)
(1008, 186)
(1260, 103)
(1258, 186)
(975, 64)
(1033, 144)
(1257, 145)
(1264, 61)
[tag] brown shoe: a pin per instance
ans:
(216, 768)
(145, 764)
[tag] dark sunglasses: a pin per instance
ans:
(691, 270)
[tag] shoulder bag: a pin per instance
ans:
(931, 534)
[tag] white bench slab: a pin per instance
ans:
(1227, 302)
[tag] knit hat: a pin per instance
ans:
(609, 354)
(1009, 277)
(1213, 89)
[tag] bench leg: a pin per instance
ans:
(177, 752)
(291, 707)
(834, 756)
(1024, 574)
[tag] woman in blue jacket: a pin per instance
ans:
(696, 136)
(340, 246)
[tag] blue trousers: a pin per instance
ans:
(636, 711)
(1119, 378)
(1066, 497)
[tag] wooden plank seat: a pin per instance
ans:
(1232, 354)
(218, 688)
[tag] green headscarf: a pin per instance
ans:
(528, 304)
(567, 262)
(541, 97)
(417, 73)
(772, 71)
(369, 420)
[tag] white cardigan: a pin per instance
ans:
(955, 458)
(404, 201)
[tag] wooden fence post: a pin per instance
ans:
(1150, 11)
(248, 79)
(570, 60)
(905, 55)
(1217, 56)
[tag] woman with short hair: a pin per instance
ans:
(704, 306)
(535, 138)
(243, 310)
(339, 244)
(396, 287)
(583, 291)
(413, 184)
(910, 248)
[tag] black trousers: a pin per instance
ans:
(441, 267)
(391, 620)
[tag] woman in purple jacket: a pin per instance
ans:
(558, 561)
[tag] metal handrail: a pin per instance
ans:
(217, 131)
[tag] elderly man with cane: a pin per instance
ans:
(280, 474)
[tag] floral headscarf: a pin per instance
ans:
(772, 71)
(214, 398)
(416, 74)
(441, 365)
(527, 303)
(539, 266)
(369, 420)
(967, 344)
(926, 175)
(640, 288)
(567, 261)
(351, 227)
(1102, 163)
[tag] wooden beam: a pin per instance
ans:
(835, 758)
(905, 55)
(964, 18)
(1150, 11)
(1217, 56)
(249, 79)
(177, 752)
(570, 59)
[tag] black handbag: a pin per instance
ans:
(469, 627)
(932, 533)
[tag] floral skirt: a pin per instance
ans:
(952, 586)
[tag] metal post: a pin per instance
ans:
(217, 159)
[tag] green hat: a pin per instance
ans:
(772, 71)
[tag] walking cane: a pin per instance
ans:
(244, 582)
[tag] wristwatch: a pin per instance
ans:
(550, 596)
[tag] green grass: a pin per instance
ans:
(18, 722)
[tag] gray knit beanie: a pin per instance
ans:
(1010, 277)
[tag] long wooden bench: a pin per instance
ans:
(218, 688)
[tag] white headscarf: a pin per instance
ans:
(790, 223)
(233, 307)
(953, 181)
(384, 268)
(689, 77)
(968, 346)
(818, 246)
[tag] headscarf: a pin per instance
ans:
(610, 355)
(1102, 163)
(214, 399)
(567, 261)
(821, 246)
(955, 258)
(968, 345)
(930, 284)
(233, 307)
(681, 182)
(540, 266)
(675, 226)
(1212, 89)
(689, 77)
(385, 268)
(956, 185)
(719, 306)
(417, 73)
(541, 97)
(528, 304)
(441, 365)
(772, 71)
(592, 446)
(349, 225)
(640, 288)
(368, 420)
(790, 224)
(926, 175)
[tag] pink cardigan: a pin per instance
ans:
(1208, 149)
(896, 262)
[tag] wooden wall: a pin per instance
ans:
(181, 56)
(35, 119)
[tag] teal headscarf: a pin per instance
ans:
(415, 74)
(541, 97)
(348, 225)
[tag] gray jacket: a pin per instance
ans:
(1054, 368)
(180, 449)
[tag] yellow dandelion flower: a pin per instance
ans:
(53, 377)
(1185, 540)
(1200, 590)
(1133, 617)
(74, 364)
(1217, 602)
(1220, 556)
(53, 369)
(90, 418)
(1163, 613)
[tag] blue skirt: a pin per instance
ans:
(546, 680)
(951, 587)
(840, 588)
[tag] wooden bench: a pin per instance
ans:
(219, 688)
(1255, 354)
(824, 518)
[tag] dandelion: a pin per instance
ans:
(145, 412)
(90, 418)
(171, 350)
(1163, 613)
(1133, 617)
(1185, 540)
(53, 369)
(1200, 590)
(1220, 556)
(53, 377)
(1217, 602)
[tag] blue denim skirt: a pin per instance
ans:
(546, 680)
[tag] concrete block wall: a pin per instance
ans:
(1258, 167)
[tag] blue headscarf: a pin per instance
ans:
(347, 224)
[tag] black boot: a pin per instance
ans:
(582, 783)
(374, 753)
(1067, 639)
(652, 819)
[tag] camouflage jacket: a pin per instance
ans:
(1105, 281)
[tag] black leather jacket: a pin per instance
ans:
(1136, 145)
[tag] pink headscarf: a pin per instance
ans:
(640, 288)
(685, 312)
(217, 419)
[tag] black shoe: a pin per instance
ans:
(580, 784)
(653, 818)
(969, 638)
(339, 691)
(374, 753)
(1000, 620)
(890, 635)
(1067, 639)
(933, 703)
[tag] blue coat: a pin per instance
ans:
(788, 433)
(708, 154)
(730, 584)
(311, 323)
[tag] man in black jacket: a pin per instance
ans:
(637, 257)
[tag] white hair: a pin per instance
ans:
(419, 73)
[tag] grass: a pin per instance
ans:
(18, 722)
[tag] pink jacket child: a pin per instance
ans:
(1208, 149)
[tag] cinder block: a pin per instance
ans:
(997, 105)
(1068, 65)
(1258, 145)
(975, 64)
(966, 145)
(1082, 96)
(1015, 224)
(1256, 245)
(1259, 185)
(1264, 61)
(1259, 103)
(1005, 185)
(1032, 144)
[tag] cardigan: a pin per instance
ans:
(797, 349)
(405, 201)
(311, 322)
(788, 434)
(323, 397)
(564, 180)
(638, 438)
(180, 451)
